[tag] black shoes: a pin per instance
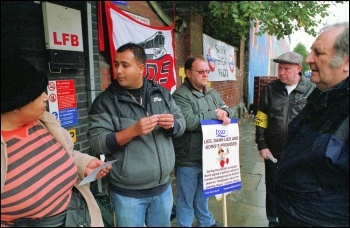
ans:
(173, 213)
(216, 224)
(274, 224)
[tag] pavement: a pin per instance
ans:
(244, 207)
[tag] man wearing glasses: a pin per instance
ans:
(197, 102)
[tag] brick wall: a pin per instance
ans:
(230, 91)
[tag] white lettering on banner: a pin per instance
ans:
(138, 18)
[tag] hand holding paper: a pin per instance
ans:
(269, 156)
(92, 176)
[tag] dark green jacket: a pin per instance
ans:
(195, 106)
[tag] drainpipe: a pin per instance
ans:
(91, 83)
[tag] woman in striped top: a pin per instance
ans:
(38, 164)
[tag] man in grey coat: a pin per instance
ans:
(133, 122)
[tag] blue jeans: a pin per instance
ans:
(190, 201)
(137, 212)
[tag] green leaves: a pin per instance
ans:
(301, 49)
(229, 21)
(277, 18)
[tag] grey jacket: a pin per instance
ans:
(146, 161)
(195, 106)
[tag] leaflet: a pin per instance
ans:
(92, 176)
(269, 156)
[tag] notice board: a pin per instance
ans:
(63, 101)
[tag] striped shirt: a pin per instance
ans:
(40, 175)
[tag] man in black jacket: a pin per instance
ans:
(312, 177)
(280, 101)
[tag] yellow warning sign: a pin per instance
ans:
(73, 134)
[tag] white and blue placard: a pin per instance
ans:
(221, 170)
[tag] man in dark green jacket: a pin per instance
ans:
(197, 102)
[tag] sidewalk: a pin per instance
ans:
(245, 207)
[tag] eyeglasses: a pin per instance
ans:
(201, 71)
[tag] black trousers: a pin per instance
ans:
(271, 198)
(53, 221)
(316, 209)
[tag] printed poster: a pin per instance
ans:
(221, 168)
(221, 59)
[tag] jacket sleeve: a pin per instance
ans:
(222, 105)
(101, 130)
(63, 137)
(192, 119)
(260, 132)
(81, 160)
(260, 138)
(179, 120)
(186, 101)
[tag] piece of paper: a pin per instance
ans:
(92, 176)
(274, 160)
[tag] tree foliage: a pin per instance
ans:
(301, 49)
(232, 20)
(276, 18)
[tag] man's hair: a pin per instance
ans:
(191, 59)
(341, 45)
(136, 49)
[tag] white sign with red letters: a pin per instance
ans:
(63, 30)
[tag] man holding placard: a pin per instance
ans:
(197, 102)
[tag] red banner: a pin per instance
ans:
(158, 43)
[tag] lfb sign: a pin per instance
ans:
(66, 39)
(63, 30)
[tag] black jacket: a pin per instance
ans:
(312, 177)
(280, 109)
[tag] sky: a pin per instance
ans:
(341, 14)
